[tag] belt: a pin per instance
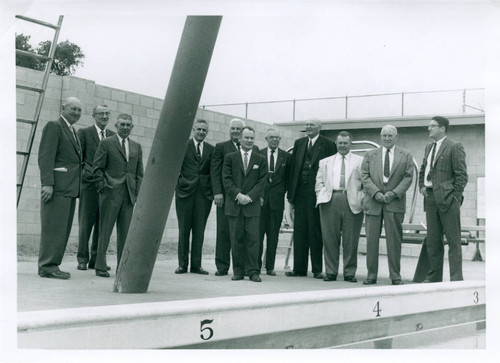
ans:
(340, 191)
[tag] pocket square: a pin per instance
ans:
(255, 167)
(64, 170)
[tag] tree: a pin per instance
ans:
(67, 58)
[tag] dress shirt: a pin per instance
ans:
(196, 147)
(70, 127)
(127, 149)
(337, 168)
(249, 153)
(313, 140)
(99, 132)
(428, 183)
(269, 158)
(391, 160)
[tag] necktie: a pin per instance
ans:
(124, 149)
(309, 147)
(238, 145)
(245, 162)
(103, 136)
(198, 151)
(387, 168)
(72, 132)
(271, 163)
(431, 167)
(342, 173)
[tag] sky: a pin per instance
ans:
(269, 50)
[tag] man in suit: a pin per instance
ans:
(244, 176)
(88, 208)
(193, 199)
(443, 177)
(60, 163)
(339, 195)
(118, 172)
(307, 152)
(273, 205)
(387, 173)
(223, 242)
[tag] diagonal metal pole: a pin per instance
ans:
(164, 163)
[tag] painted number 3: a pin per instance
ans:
(206, 332)
(476, 297)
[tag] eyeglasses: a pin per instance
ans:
(101, 114)
(433, 125)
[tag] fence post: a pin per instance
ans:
(346, 106)
(464, 96)
(246, 110)
(402, 103)
(293, 119)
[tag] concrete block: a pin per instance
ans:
(138, 110)
(152, 113)
(144, 121)
(125, 108)
(118, 95)
(103, 92)
(113, 105)
(146, 101)
(138, 130)
(133, 98)
(157, 104)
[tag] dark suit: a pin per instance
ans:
(442, 209)
(271, 213)
(193, 201)
(118, 183)
(60, 161)
(306, 225)
(88, 208)
(392, 214)
(243, 220)
(222, 242)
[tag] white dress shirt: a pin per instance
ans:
(127, 150)
(391, 160)
(337, 170)
(428, 183)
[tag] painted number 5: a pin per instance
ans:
(206, 329)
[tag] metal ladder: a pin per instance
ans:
(41, 95)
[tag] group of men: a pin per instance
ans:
(100, 167)
(329, 190)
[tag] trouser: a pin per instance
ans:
(270, 223)
(56, 219)
(244, 232)
(222, 242)
(339, 224)
(88, 219)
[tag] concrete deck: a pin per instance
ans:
(84, 289)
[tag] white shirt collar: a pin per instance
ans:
(67, 123)
(249, 152)
(391, 150)
(120, 139)
(440, 141)
(313, 140)
(99, 130)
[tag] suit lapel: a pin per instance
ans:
(301, 152)
(279, 160)
(72, 136)
(118, 145)
(395, 162)
(379, 164)
(442, 148)
(94, 134)
(318, 145)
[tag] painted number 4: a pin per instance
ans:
(377, 309)
(206, 332)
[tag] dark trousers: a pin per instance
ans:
(393, 235)
(114, 206)
(307, 231)
(339, 224)
(88, 219)
(222, 242)
(439, 223)
(192, 214)
(56, 218)
(270, 223)
(244, 232)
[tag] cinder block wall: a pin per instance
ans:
(145, 111)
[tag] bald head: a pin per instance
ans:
(71, 109)
(236, 125)
(388, 136)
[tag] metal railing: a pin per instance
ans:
(470, 100)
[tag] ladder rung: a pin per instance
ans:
(37, 21)
(31, 54)
(24, 121)
(25, 153)
(34, 89)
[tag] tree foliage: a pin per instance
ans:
(67, 58)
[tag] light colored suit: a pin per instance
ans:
(392, 214)
(340, 212)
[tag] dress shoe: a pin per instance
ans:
(397, 282)
(294, 274)
(271, 273)
(92, 266)
(180, 270)
(102, 273)
(81, 266)
(220, 273)
(350, 279)
(318, 275)
(427, 282)
(369, 282)
(237, 277)
(57, 275)
(330, 277)
(200, 271)
(255, 278)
